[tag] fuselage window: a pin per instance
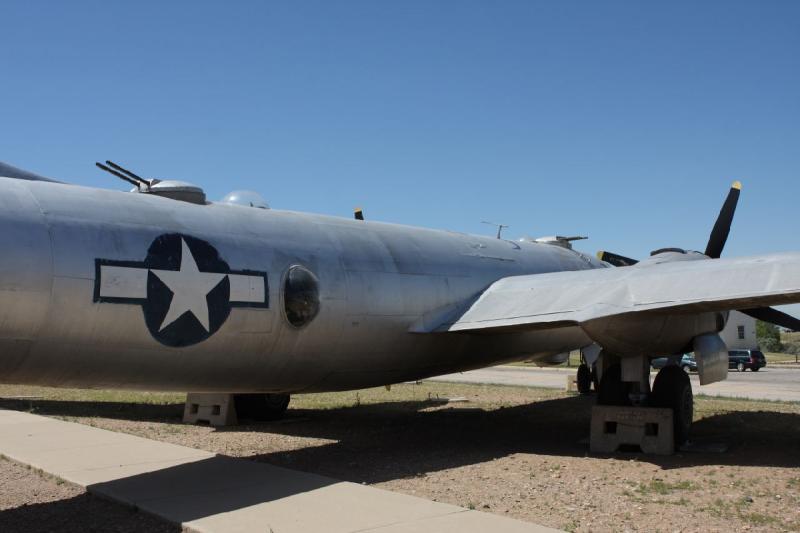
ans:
(300, 296)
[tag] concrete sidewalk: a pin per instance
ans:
(207, 492)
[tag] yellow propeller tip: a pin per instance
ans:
(600, 255)
(737, 185)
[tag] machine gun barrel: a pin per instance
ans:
(127, 172)
(121, 176)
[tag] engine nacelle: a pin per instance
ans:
(651, 334)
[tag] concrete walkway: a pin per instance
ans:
(205, 492)
(771, 383)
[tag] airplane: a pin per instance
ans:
(158, 288)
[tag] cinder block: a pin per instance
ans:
(212, 409)
(650, 428)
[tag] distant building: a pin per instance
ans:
(740, 332)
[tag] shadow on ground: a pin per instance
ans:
(169, 413)
(80, 514)
(378, 442)
(385, 441)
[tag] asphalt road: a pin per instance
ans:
(770, 383)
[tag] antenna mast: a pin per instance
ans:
(499, 227)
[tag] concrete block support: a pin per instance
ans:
(650, 428)
(212, 409)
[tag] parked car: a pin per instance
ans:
(687, 363)
(741, 360)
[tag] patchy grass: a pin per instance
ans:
(709, 405)
(718, 508)
(90, 395)
(760, 519)
(773, 357)
(90, 402)
(663, 488)
(572, 361)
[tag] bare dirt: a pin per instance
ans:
(518, 452)
(31, 501)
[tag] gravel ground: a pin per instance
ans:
(519, 452)
(31, 501)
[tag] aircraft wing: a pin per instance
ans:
(543, 301)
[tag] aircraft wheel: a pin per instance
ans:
(673, 389)
(685, 368)
(613, 391)
(261, 407)
(595, 379)
(584, 379)
(755, 369)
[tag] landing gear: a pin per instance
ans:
(261, 407)
(587, 371)
(584, 379)
(672, 389)
(625, 415)
(595, 378)
(613, 391)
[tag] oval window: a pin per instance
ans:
(300, 296)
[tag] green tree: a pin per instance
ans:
(768, 336)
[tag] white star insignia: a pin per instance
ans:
(189, 287)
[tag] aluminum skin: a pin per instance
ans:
(84, 275)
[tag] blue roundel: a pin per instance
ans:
(186, 289)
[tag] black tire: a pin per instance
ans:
(756, 368)
(613, 391)
(584, 379)
(261, 407)
(672, 389)
(740, 367)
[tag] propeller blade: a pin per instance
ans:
(773, 316)
(616, 259)
(358, 213)
(722, 227)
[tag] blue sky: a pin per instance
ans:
(625, 121)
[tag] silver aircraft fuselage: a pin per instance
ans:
(379, 285)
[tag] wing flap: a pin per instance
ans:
(571, 298)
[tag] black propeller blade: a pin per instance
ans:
(358, 213)
(773, 316)
(616, 259)
(722, 227)
(716, 243)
